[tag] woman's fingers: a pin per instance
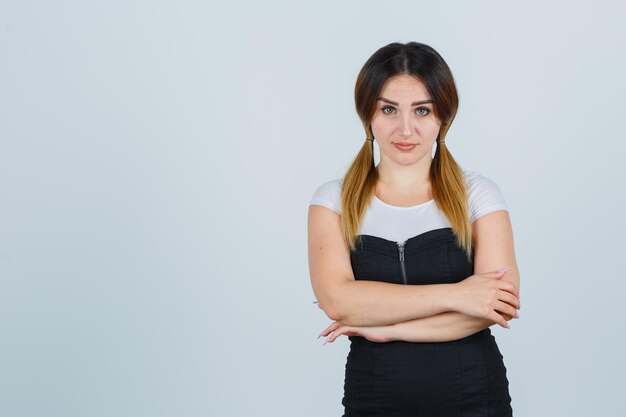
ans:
(496, 318)
(508, 286)
(342, 330)
(506, 308)
(503, 284)
(329, 329)
(338, 332)
(336, 329)
(509, 298)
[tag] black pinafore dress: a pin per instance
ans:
(459, 378)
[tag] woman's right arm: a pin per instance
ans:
(362, 303)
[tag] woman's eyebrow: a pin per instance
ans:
(415, 103)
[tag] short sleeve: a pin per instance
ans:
(328, 195)
(484, 195)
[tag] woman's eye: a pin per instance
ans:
(425, 110)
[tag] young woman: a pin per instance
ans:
(413, 258)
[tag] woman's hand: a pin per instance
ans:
(484, 295)
(377, 334)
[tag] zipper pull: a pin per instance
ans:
(402, 267)
(401, 248)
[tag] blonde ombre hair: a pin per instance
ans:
(446, 176)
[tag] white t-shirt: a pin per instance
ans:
(400, 223)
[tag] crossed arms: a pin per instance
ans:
(420, 313)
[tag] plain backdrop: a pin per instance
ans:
(156, 164)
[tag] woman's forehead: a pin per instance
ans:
(404, 88)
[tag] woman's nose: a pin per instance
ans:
(407, 125)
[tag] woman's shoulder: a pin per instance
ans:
(328, 194)
(484, 194)
(475, 179)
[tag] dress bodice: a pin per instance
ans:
(432, 257)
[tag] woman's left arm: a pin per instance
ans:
(492, 239)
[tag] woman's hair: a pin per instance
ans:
(446, 176)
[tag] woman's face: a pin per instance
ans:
(399, 119)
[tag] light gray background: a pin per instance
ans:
(156, 163)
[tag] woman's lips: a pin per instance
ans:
(405, 147)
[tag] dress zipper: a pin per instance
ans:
(401, 250)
